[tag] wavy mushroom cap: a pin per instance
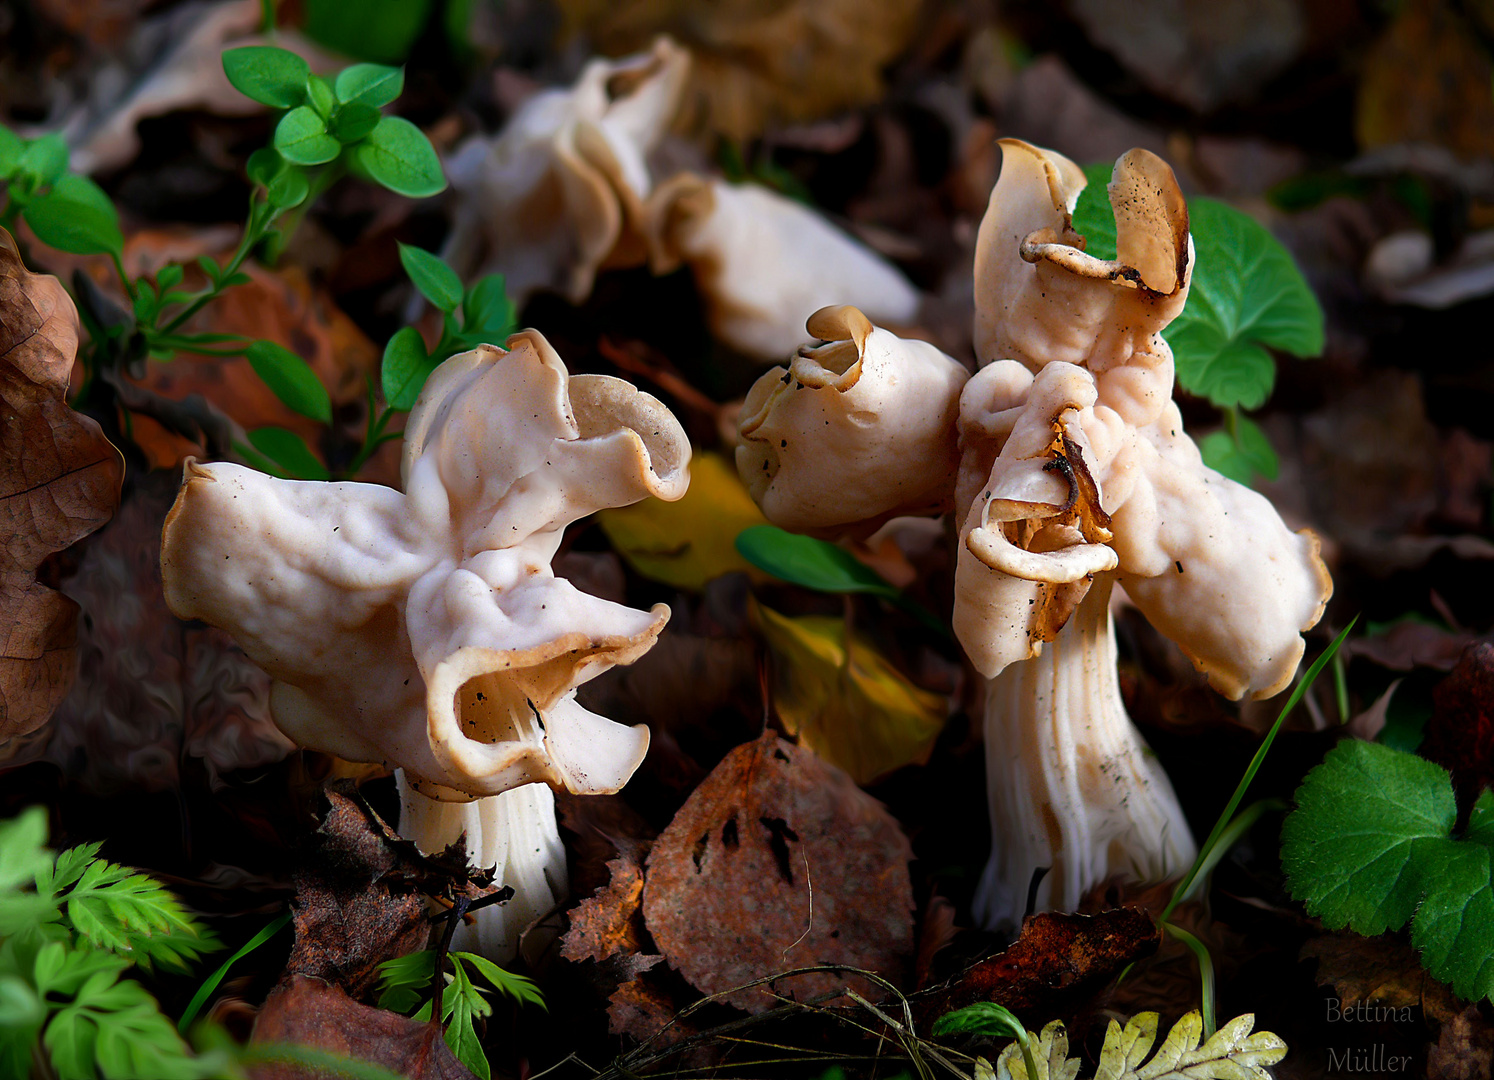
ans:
(559, 192)
(1039, 297)
(854, 431)
(766, 263)
(427, 629)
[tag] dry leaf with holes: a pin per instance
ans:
(59, 481)
(843, 699)
(778, 861)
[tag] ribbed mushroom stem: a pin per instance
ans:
(514, 832)
(1071, 783)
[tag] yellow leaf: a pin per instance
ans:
(689, 542)
(849, 705)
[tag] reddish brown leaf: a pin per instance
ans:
(609, 923)
(1460, 734)
(1058, 961)
(59, 481)
(307, 1012)
(642, 1008)
(778, 861)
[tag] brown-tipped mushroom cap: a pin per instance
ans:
(854, 431)
(427, 629)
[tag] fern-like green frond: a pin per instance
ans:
(131, 914)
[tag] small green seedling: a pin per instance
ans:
(1247, 296)
(1372, 845)
(405, 982)
(66, 211)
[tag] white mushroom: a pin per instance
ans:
(764, 263)
(1076, 473)
(854, 431)
(426, 629)
(558, 194)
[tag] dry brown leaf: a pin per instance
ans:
(1057, 962)
(1464, 1049)
(760, 63)
(1380, 971)
(60, 482)
(779, 861)
(355, 907)
(1460, 734)
(158, 692)
(308, 1012)
(1427, 81)
(607, 924)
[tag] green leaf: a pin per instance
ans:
(205, 991)
(984, 1018)
(288, 189)
(290, 452)
(44, 159)
(521, 989)
(11, 148)
(353, 122)
(135, 916)
(1352, 850)
(76, 216)
(1454, 926)
(268, 75)
(23, 852)
(814, 564)
(374, 85)
(397, 155)
(169, 276)
(487, 311)
(1243, 457)
(380, 30)
(319, 96)
(291, 379)
(1247, 295)
(264, 165)
(405, 368)
(436, 281)
(302, 139)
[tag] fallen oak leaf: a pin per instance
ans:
(779, 861)
(59, 481)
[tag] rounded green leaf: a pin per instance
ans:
(76, 216)
(397, 155)
(11, 148)
(264, 165)
(44, 159)
(814, 564)
(353, 122)
(268, 75)
(436, 281)
(291, 379)
(405, 368)
(487, 312)
(374, 85)
(302, 139)
(1243, 457)
(290, 452)
(319, 96)
(288, 189)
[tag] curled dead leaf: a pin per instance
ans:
(59, 481)
(779, 861)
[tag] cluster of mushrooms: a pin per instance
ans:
(425, 629)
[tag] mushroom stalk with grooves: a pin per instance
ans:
(425, 629)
